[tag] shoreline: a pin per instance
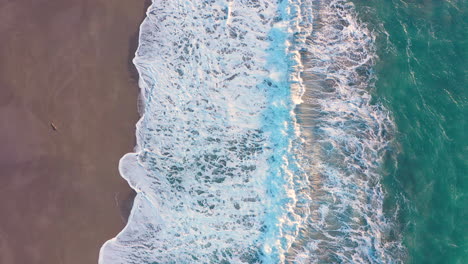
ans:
(63, 64)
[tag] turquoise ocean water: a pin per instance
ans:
(422, 79)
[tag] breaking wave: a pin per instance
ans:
(258, 142)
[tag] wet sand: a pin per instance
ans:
(66, 62)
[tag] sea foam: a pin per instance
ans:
(210, 174)
(347, 137)
(223, 171)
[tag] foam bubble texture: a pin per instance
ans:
(346, 139)
(223, 172)
(212, 182)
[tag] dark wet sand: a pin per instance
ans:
(66, 62)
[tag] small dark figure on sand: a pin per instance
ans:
(53, 126)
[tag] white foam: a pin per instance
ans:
(223, 172)
(346, 139)
(207, 192)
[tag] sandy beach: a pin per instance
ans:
(66, 63)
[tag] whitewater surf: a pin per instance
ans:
(258, 140)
